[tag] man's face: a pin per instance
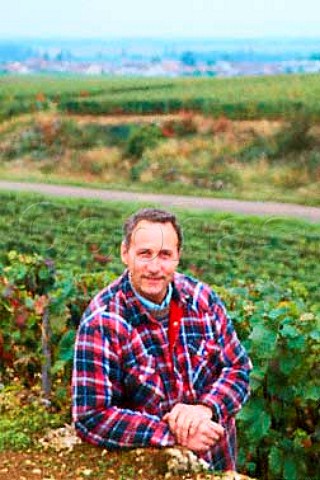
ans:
(152, 258)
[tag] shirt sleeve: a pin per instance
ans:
(230, 390)
(96, 390)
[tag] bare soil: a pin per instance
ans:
(86, 461)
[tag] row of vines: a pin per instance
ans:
(247, 98)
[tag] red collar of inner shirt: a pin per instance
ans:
(175, 315)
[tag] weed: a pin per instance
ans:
(294, 137)
(22, 416)
(142, 138)
(127, 472)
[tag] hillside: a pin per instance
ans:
(247, 138)
(186, 153)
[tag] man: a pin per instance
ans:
(157, 361)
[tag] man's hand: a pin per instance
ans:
(207, 435)
(193, 427)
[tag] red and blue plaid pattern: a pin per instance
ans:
(126, 378)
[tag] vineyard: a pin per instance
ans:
(55, 254)
(242, 98)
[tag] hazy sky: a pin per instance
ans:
(162, 18)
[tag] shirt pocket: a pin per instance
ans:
(143, 384)
(206, 364)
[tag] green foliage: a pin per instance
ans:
(278, 427)
(294, 137)
(21, 416)
(271, 97)
(25, 283)
(30, 272)
(138, 168)
(26, 95)
(142, 138)
(29, 286)
(52, 138)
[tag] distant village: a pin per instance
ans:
(156, 60)
(166, 68)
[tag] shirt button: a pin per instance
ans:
(175, 324)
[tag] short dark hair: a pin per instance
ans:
(154, 215)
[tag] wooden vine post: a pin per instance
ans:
(46, 353)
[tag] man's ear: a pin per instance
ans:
(124, 253)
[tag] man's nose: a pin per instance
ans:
(154, 264)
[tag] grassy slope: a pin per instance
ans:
(220, 158)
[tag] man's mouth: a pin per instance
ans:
(153, 279)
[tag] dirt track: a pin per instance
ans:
(271, 209)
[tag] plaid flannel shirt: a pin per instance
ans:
(125, 378)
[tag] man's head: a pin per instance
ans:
(153, 215)
(151, 250)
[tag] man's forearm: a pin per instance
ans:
(115, 428)
(227, 395)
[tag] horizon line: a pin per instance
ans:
(158, 37)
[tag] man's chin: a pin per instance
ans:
(153, 295)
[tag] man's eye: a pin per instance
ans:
(144, 254)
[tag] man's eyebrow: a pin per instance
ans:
(148, 249)
(144, 249)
